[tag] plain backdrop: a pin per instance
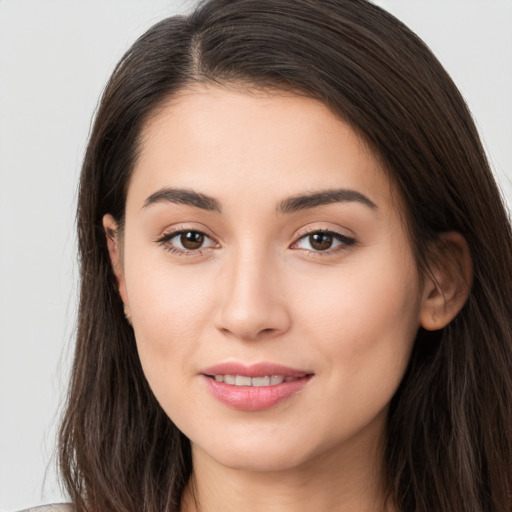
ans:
(55, 57)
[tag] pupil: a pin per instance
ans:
(320, 241)
(192, 240)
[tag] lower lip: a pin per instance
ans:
(254, 398)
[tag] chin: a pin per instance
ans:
(266, 460)
(258, 453)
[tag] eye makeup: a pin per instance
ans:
(324, 241)
(184, 241)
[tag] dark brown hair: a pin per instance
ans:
(449, 437)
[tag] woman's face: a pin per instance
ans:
(269, 276)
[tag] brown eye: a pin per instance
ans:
(328, 242)
(191, 240)
(321, 241)
(186, 242)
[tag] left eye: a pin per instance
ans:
(321, 241)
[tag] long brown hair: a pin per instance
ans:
(449, 436)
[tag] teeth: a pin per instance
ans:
(240, 380)
(229, 379)
(243, 380)
(260, 381)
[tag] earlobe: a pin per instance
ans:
(113, 243)
(448, 283)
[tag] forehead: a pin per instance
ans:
(230, 142)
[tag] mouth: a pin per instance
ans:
(255, 387)
(245, 380)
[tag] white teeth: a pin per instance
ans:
(260, 381)
(243, 380)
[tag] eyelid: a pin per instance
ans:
(185, 226)
(323, 228)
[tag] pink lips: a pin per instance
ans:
(254, 398)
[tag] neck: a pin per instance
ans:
(348, 479)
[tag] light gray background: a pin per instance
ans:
(55, 57)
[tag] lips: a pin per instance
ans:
(255, 387)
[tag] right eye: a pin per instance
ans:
(186, 242)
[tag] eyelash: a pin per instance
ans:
(345, 242)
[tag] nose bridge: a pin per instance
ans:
(252, 304)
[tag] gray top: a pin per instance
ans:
(56, 507)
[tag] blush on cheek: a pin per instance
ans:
(370, 326)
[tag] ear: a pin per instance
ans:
(114, 249)
(448, 282)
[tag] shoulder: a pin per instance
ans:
(57, 507)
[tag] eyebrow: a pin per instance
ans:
(183, 196)
(303, 202)
(292, 204)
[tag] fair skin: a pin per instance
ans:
(327, 287)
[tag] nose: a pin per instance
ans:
(252, 304)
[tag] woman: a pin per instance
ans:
(296, 275)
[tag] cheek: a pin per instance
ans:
(364, 323)
(168, 312)
(373, 293)
(169, 306)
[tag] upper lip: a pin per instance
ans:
(254, 370)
